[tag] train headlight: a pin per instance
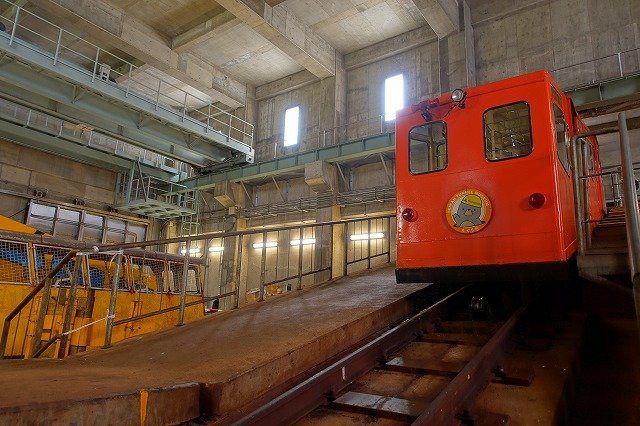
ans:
(537, 200)
(408, 214)
(458, 95)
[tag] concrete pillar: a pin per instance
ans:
(172, 232)
(251, 110)
(457, 56)
(334, 106)
(234, 255)
(339, 245)
(327, 248)
(322, 177)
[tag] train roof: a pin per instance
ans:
(445, 98)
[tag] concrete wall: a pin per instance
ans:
(515, 37)
(509, 38)
(24, 169)
(313, 101)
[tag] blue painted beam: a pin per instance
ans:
(611, 91)
(351, 150)
(60, 146)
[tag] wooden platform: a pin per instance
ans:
(218, 364)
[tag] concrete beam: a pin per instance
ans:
(632, 124)
(287, 32)
(205, 31)
(443, 16)
(112, 25)
(10, 10)
(285, 85)
(390, 47)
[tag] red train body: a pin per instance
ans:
(484, 187)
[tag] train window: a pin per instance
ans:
(507, 132)
(562, 137)
(428, 148)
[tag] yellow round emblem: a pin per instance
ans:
(468, 211)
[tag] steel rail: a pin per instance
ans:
(303, 398)
(462, 391)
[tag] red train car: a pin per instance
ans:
(484, 186)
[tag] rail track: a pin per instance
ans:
(427, 370)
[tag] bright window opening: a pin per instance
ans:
(291, 121)
(393, 96)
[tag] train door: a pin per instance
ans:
(593, 182)
(564, 184)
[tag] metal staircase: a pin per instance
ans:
(150, 196)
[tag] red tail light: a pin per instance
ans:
(537, 200)
(408, 214)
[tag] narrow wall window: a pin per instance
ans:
(393, 96)
(291, 123)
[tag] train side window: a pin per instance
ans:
(507, 132)
(562, 137)
(428, 148)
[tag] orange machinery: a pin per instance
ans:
(484, 187)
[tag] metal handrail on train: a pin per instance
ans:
(630, 200)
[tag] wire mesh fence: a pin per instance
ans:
(14, 263)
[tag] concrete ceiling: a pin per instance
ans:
(247, 56)
(170, 17)
(354, 24)
(218, 49)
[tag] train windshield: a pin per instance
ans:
(428, 148)
(507, 132)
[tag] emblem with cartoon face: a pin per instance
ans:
(468, 211)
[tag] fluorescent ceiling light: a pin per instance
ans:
(305, 242)
(360, 237)
(269, 244)
(191, 251)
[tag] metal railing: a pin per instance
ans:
(631, 210)
(255, 265)
(271, 147)
(605, 68)
(374, 195)
(60, 45)
(628, 195)
(86, 136)
(240, 267)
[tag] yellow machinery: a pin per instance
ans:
(147, 283)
